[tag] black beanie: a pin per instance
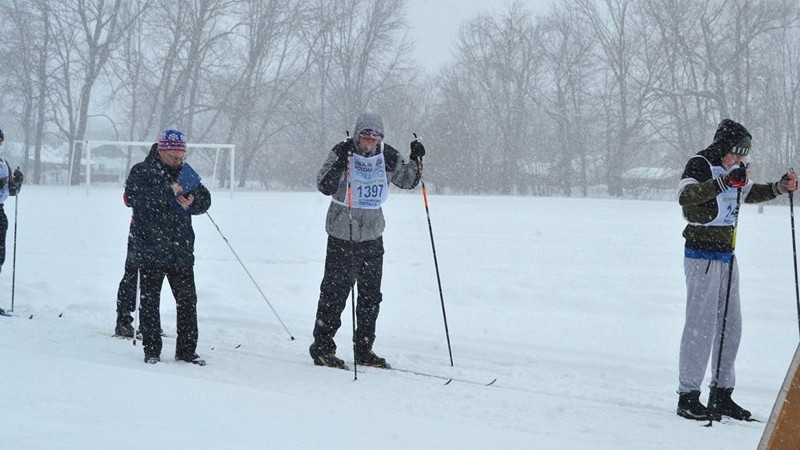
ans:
(742, 148)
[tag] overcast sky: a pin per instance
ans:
(435, 23)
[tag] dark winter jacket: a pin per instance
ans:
(162, 237)
(698, 192)
(368, 224)
(8, 187)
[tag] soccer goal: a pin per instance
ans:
(108, 161)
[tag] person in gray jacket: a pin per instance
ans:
(365, 165)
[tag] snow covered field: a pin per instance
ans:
(574, 305)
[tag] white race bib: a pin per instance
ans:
(4, 175)
(726, 201)
(368, 182)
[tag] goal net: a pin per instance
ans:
(105, 162)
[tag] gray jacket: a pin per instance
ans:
(368, 224)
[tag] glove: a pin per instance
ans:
(343, 150)
(787, 183)
(417, 150)
(737, 178)
(18, 177)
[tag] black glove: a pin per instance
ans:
(342, 151)
(417, 150)
(737, 178)
(785, 184)
(18, 177)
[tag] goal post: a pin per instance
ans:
(203, 157)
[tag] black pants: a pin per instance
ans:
(126, 294)
(343, 268)
(181, 280)
(3, 232)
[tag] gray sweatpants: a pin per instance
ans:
(706, 291)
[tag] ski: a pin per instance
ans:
(447, 380)
(6, 313)
(196, 362)
(726, 420)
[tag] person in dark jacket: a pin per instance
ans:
(355, 229)
(126, 293)
(164, 198)
(712, 182)
(10, 185)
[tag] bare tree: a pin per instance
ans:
(273, 65)
(85, 33)
(566, 50)
(499, 55)
(28, 40)
(624, 94)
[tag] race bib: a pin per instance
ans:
(368, 183)
(726, 201)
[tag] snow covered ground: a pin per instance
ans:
(574, 305)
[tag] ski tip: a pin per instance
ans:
(30, 317)
(448, 381)
(491, 382)
(238, 345)
(60, 314)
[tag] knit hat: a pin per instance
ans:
(732, 137)
(742, 148)
(172, 139)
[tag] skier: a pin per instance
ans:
(163, 201)
(355, 243)
(10, 184)
(126, 293)
(708, 190)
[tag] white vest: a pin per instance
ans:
(726, 200)
(5, 176)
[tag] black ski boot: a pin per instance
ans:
(369, 358)
(124, 326)
(689, 407)
(330, 361)
(725, 405)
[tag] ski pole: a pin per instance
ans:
(712, 403)
(251, 277)
(435, 260)
(352, 261)
(14, 258)
(794, 253)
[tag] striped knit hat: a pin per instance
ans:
(172, 139)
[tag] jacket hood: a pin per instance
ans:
(153, 154)
(368, 121)
(728, 134)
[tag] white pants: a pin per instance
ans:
(706, 294)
